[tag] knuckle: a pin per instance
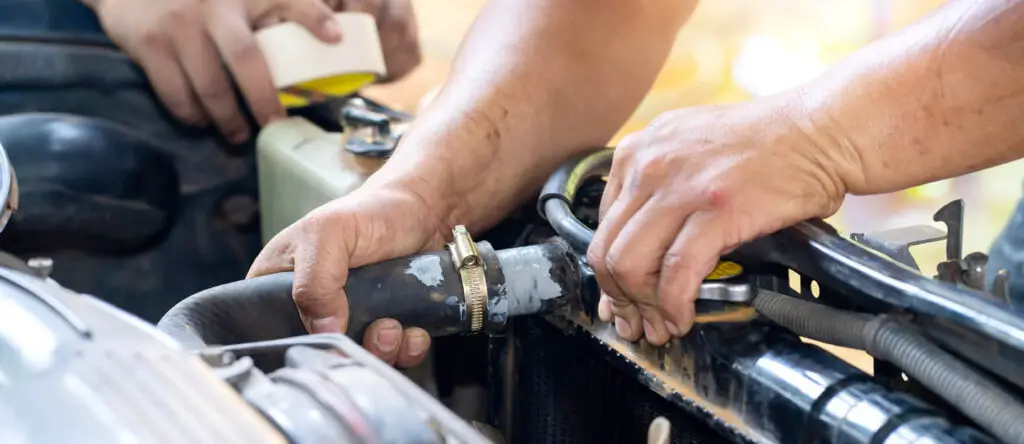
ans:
(152, 37)
(180, 14)
(677, 262)
(211, 92)
(623, 270)
(308, 297)
(241, 51)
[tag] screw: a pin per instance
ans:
(41, 266)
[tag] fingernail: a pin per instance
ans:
(329, 324)
(387, 338)
(673, 329)
(604, 310)
(622, 327)
(649, 331)
(331, 29)
(417, 343)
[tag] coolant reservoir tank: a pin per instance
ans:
(300, 167)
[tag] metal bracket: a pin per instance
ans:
(952, 215)
(896, 243)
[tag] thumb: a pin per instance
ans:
(319, 287)
(314, 15)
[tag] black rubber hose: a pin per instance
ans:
(423, 291)
(977, 397)
(559, 193)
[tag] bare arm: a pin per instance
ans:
(943, 98)
(535, 82)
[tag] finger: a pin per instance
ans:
(691, 257)
(314, 15)
(621, 159)
(635, 260)
(604, 308)
(619, 213)
(415, 343)
(201, 61)
(277, 256)
(171, 85)
(635, 256)
(265, 21)
(383, 338)
(234, 39)
(628, 322)
(321, 270)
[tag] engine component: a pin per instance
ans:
(301, 166)
(424, 290)
(109, 377)
(709, 369)
(89, 186)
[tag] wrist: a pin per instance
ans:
(415, 171)
(821, 141)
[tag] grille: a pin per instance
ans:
(567, 394)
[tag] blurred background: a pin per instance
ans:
(734, 50)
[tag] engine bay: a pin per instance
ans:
(232, 363)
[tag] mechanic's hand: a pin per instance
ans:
(183, 46)
(692, 186)
(373, 224)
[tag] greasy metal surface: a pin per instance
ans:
(758, 384)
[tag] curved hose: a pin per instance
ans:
(559, 192)
(885, 338)
(423, 291)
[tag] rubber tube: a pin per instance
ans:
(980, 399)
(815, 321)
(559, 192)
(883, 337)
(423, 291)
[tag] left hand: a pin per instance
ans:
(692, 186)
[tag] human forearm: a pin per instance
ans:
(942, 98)
(535, 82)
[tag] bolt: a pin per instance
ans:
(41, 266)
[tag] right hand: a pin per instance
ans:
(182, 46)
(373, 224)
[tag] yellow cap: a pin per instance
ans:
(335, 86)
(304, 68)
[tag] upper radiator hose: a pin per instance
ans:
(424, 290)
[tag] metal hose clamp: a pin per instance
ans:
(467, 260)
